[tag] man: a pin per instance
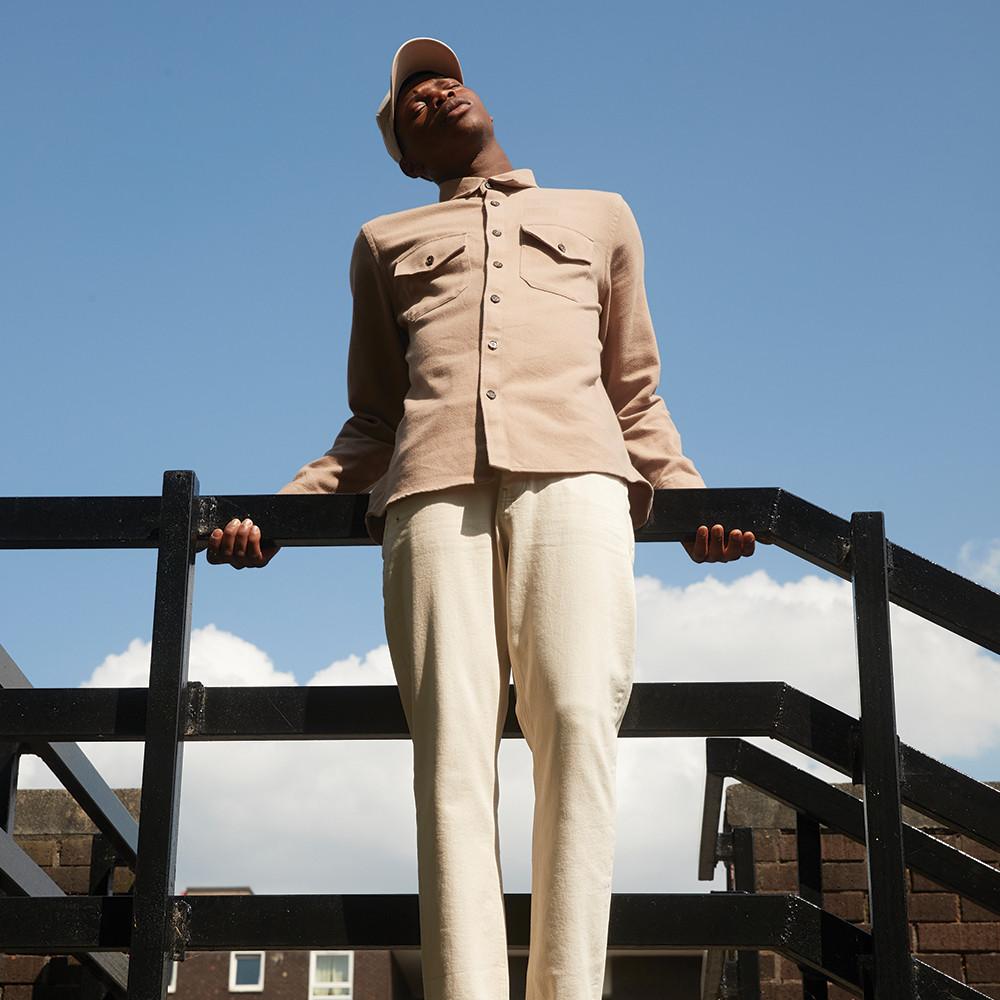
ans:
(502, 371)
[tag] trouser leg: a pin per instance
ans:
(446, 628)
(571, 638)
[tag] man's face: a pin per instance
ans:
(440, 125)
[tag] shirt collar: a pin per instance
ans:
(458, 187)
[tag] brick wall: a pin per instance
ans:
(946, 930)
(58, 836)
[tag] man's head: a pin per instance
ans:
(433, 125)
(440, 125)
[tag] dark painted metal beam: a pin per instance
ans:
(639, 921)
(823, 539)
(741, 876)
(892, 964)
(733, 708)
(79, 522)
(10, 760)
(791, 523)
(153, 929)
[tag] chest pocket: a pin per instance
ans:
(558, 259)
(430, 274)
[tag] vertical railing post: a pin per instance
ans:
(809, 865)
(10, 755)
(744, 879)
(152, 919)
(892, 965)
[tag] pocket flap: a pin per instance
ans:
(430, 254)
(565, 243)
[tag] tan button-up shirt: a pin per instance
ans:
(504, 327)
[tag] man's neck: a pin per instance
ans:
(488, 162)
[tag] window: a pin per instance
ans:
(172, 985)
(246, 971)
(331, 974)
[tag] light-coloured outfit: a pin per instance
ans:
(502, 375)
(530, 575)
(504, 327)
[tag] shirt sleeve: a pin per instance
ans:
(630, 365)
(377, 383)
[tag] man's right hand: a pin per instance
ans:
(239, 545)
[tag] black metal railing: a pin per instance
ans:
(152, 926)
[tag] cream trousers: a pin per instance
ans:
(530, 573)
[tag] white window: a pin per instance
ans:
(172, 985)
(246, 971)
(331, 974)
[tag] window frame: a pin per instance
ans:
(235, 987)
(313, 955)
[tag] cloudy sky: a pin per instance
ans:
(179, 192)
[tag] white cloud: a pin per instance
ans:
(217, 658)
(375, 668)
(337, 816)
(980, 561)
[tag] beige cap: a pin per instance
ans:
(413, 55)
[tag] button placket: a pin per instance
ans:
(491, 363)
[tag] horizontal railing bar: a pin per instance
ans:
(783, 923)
(370, 711)
(839, 810)
(390, 920)
(945, 598)
(79, 522)
(773, 514)
(374, 711)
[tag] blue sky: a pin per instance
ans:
(181, 184)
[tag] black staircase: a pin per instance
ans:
(130, 939)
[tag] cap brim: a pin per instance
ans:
(421, 54)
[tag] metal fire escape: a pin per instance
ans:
(130, 939)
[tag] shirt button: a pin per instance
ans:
(429, 260)
(562, 249)
(498, 263)
(486, 183)
(496, 232)
(494, 202)
(491, 393)
(494, 297)
(492, 345)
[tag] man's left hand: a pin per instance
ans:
(705, 546)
